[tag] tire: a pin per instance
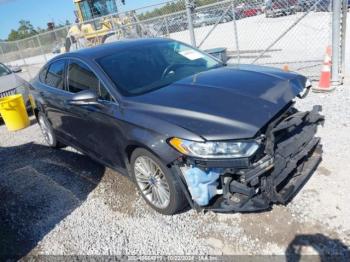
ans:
(47, 131)
(160, 178)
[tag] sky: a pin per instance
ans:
(40, 12)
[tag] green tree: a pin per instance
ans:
(13, 35)
(25, 29)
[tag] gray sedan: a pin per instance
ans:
(186, 128)
(11, 84)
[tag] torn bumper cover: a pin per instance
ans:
(290, 154)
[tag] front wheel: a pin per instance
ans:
(156, 183)
(47, 131)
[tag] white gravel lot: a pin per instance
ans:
(56, 202)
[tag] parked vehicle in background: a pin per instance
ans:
(212, 16)
(171, 25)
(249, 9)
(186, 128)
(11, 84)
(275, 8)
(314, 5)
(306, 5)
(204, 19)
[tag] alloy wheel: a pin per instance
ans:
(46, 130)
(152, 182)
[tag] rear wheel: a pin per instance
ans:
(156, 183)
(47, 132)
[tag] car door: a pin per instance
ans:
(94, 127)
(54, 95)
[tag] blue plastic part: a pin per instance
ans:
(202, 185)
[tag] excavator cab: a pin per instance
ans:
(94, 24)
(98, 20)
(91, 9)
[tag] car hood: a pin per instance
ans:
(9, 82)
(223, 103)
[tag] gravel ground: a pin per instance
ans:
(59, 202)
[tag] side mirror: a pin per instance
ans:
(16, 69)
(85, 97)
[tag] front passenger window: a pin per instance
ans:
(81, 78)
(104, 95)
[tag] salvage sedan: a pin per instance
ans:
(186, 128)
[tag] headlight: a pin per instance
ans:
(304, 93)
(308, 83)
(214, 149)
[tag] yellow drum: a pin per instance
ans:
(14, 113)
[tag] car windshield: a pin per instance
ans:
(4, 71)
(141, 69)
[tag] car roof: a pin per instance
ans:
(111, 48)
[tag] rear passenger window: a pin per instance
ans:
(55, 75)
(81, 78)
(42, 74)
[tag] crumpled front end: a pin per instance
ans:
(288, 155)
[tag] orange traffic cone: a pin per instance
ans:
(324, 85)
(286, 68)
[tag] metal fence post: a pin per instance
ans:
(24, 61)
(343, 36)
(166, 26)
(55, 38)
(41, 48)
(336, 24)
(189, 6)
(114, 26)
(2, 53)
(236, 33)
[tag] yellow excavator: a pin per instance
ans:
(90, 31)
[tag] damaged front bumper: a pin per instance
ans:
(289, 155)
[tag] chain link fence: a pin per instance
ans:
(291, 34)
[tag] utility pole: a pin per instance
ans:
(190, 6)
